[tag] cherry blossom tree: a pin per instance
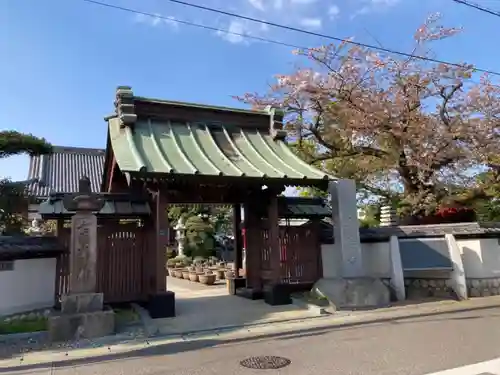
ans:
(406, 129)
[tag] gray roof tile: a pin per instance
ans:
(17, 247)
(114, 205)
(418, 231)
(60, 171)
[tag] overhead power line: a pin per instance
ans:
(194, 24)
(478, 7)
(290, 28)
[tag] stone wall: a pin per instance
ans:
(417, 288)
(483, 287)
(387, 282)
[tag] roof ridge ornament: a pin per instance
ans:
(276, 122)
(124, 106)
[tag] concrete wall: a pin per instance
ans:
(480, 257)
(28, 286)
(375, 260)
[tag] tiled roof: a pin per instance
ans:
(16, 247)
(60, 171)
(176, 148)
(302, 208)
(164, 138)
(114, 205)
(415, 231)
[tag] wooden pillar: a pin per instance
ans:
(253, 249)
(274, 242)
(161, 237)
(238, 241)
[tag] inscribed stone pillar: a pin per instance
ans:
(83, 256)
(346, 226)
(458, 273)
(82, 314)
(397, 275)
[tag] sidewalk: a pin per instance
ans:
(251, 331)
(202, 308)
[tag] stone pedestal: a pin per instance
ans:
(82, 315)
(354, 293)
(354, 289)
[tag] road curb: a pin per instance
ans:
(41, 359)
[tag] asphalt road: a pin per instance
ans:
(415, 346)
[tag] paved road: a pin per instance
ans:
(415, 346)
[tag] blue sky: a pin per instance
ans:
(61, 60)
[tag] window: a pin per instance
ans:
(7, 266)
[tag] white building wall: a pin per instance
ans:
(29, 286)
(480, 256)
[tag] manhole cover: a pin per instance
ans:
(265, 362)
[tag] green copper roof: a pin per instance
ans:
(165, 147)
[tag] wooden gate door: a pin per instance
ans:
(300, 254)
(121, 252)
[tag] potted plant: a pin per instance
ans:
(185, 274)
(170, 267)
(193, 276)
(207, 278)
(178, 273)
(220, 274)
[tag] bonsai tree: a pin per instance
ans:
(13, 199)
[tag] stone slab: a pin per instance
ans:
(346, 228)
(66, 327)
(81, 303)
(354, 293)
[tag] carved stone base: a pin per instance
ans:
(88, 325)
(354, 293)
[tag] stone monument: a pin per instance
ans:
(82, 314)
(35, 229)
(354, 289)
(180, 230)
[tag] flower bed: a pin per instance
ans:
(444, 215)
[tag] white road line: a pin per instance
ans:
(484, 368)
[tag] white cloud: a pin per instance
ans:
(277, 4)
(157, 21)
(333, 11)
(302, 1)
(264, 5)
(375, 5)
(257, 4)
(308, 14)
(388, 3)
(311, 23)
(171, 21)
(236, 27)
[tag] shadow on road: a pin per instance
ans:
(197, 344)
